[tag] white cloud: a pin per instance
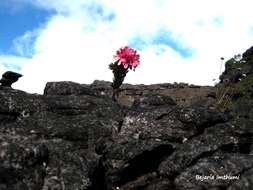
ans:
(79, 41)
(9, 62)
(24, 45)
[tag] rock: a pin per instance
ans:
(237, 69)
(152, 101)
(131, 93)
(8, 78)
(156, 137)
(148, 137)
(20, 168)
(248, 54)
(67, 88)
(222, 169)
(245, 182)
(48, 142)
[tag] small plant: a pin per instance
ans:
(228, 91)
(224, 95)
(126, 58)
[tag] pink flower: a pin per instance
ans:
(128, 57)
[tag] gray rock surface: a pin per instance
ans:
(74, 138)
(48, 142)
(157, 137)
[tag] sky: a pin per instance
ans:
(75, 40)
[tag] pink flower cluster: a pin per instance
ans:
(128, 57)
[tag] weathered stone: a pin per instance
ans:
(245, 181)
(67, 88)
(218, 170)
(59, 134)
(132, 93)
(156, 137)
(152, 101)
(8, 78)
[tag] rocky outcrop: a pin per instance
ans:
(48, 142)
(164, 136)
(130, 93)
(238, 68)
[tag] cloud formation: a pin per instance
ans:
(178, 41)
(10, 62)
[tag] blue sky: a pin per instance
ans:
(15, 23)
(162, 38)
(178, 40)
